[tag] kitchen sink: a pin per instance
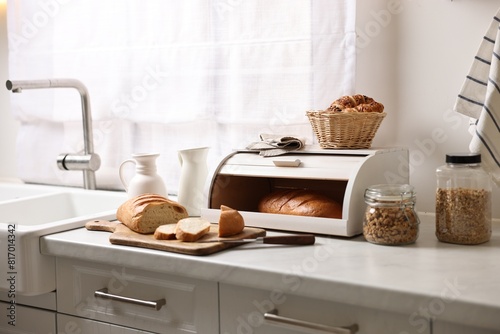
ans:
(28, 212)
(56, 210)
(11, 191)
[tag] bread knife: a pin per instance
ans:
(302, 239)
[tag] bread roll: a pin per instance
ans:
(231, 222)
(300, 202)
(165, 232)
(191, 229)
(144, 213)
(356, 103)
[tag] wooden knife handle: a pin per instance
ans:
(300, 239)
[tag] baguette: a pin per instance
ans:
(230, 222)
(191, 229)
(144, 213)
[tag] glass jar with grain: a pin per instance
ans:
(463, 200)
(390, 217)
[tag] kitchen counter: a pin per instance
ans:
(455, 283)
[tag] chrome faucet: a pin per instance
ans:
(89, 162)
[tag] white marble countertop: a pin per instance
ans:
(454, 283)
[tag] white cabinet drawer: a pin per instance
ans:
(242, 310)
(443, 327)
(26, 320)
(190, 305)
(46, 301)
(67, 324)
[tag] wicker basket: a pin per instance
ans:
(345, 130)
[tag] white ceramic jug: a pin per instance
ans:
(194, 170)
(146, 179)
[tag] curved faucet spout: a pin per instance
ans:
(90, 161)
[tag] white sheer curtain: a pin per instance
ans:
(169, 74)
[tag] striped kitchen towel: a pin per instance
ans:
(480, 99)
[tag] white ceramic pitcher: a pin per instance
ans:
(194, 170)
(146, 179)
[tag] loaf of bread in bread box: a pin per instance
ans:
(144, 213)
(300, 202)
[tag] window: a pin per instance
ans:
(168, 74)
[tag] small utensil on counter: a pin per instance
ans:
(302, 239)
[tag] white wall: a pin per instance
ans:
(413, 60)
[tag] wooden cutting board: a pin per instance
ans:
(122, 235)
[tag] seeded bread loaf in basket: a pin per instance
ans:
(350, 122)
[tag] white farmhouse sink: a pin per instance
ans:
(9, 191)
(28, 212)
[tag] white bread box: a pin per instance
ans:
(244, 177)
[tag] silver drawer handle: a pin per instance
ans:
(156, 304)
(273, 316)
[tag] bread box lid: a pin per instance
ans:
(244, 177)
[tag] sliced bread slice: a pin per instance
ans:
(165, 232)
(191, 229)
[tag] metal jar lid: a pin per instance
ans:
(390, 193)
(463, 158)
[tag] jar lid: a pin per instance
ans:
(463, 158)
(390, 193)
